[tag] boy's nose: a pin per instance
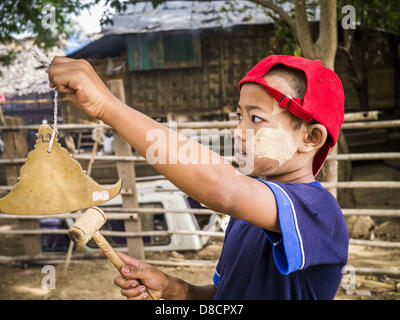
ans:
(244, 129)
(239, 134)
(241, 129)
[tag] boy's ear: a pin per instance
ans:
(314, 137)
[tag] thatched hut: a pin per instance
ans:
(24, 82)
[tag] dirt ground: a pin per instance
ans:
(93, 279)
(87, 279)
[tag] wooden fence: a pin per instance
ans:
(352, 121)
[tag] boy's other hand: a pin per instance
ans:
(137, 277)
(86, 89)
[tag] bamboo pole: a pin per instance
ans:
(44, 256)
(388, 272)
(361, 116)
(84, 157)
(351, 116)
(183, 263)
(372, 124)
(162, 210)
(51, 258)
(114, 216)
(32, 101)
(383, 244)
(362, 184)
(365, 156)
(116, 213)
(340, 157)
(337, 185)
(372, 212)
(133, 213)
(326, 184)
(136, 234)
(69, 126)
(124, 234)
(96, 157)
(206, 125)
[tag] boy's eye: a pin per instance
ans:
(239, 116)
(256, 119)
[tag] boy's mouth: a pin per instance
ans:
(240, 155)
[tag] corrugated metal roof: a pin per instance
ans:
(142, 18)
(187, 15)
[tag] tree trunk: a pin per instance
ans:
(364, 101)
(325, 49)
(357, 77)
(326, 44)
(302, 30)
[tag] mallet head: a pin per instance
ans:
(86, 226)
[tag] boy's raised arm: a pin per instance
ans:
(217, 185)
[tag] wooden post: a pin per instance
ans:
(126, 172)
(15, 146)
(332, 171)
(2, 119)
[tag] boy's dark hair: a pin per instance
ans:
(295, 78)
(298, 83)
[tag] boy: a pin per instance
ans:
(287, 237)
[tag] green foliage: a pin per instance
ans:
(114, 6)
(284, 39)
(21, 16)
(45, 20)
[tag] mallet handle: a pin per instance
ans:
(105, 246)
(110, 253)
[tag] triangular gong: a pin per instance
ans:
(54, 182)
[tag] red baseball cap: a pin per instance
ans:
(323, 100)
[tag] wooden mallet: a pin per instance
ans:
(87, 227)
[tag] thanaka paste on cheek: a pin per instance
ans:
(274, 143)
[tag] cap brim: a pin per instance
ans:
(320, 158)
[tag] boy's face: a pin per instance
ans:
(265, 134)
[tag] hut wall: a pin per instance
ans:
(227, 55)
(381, 73)
(31, 113)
